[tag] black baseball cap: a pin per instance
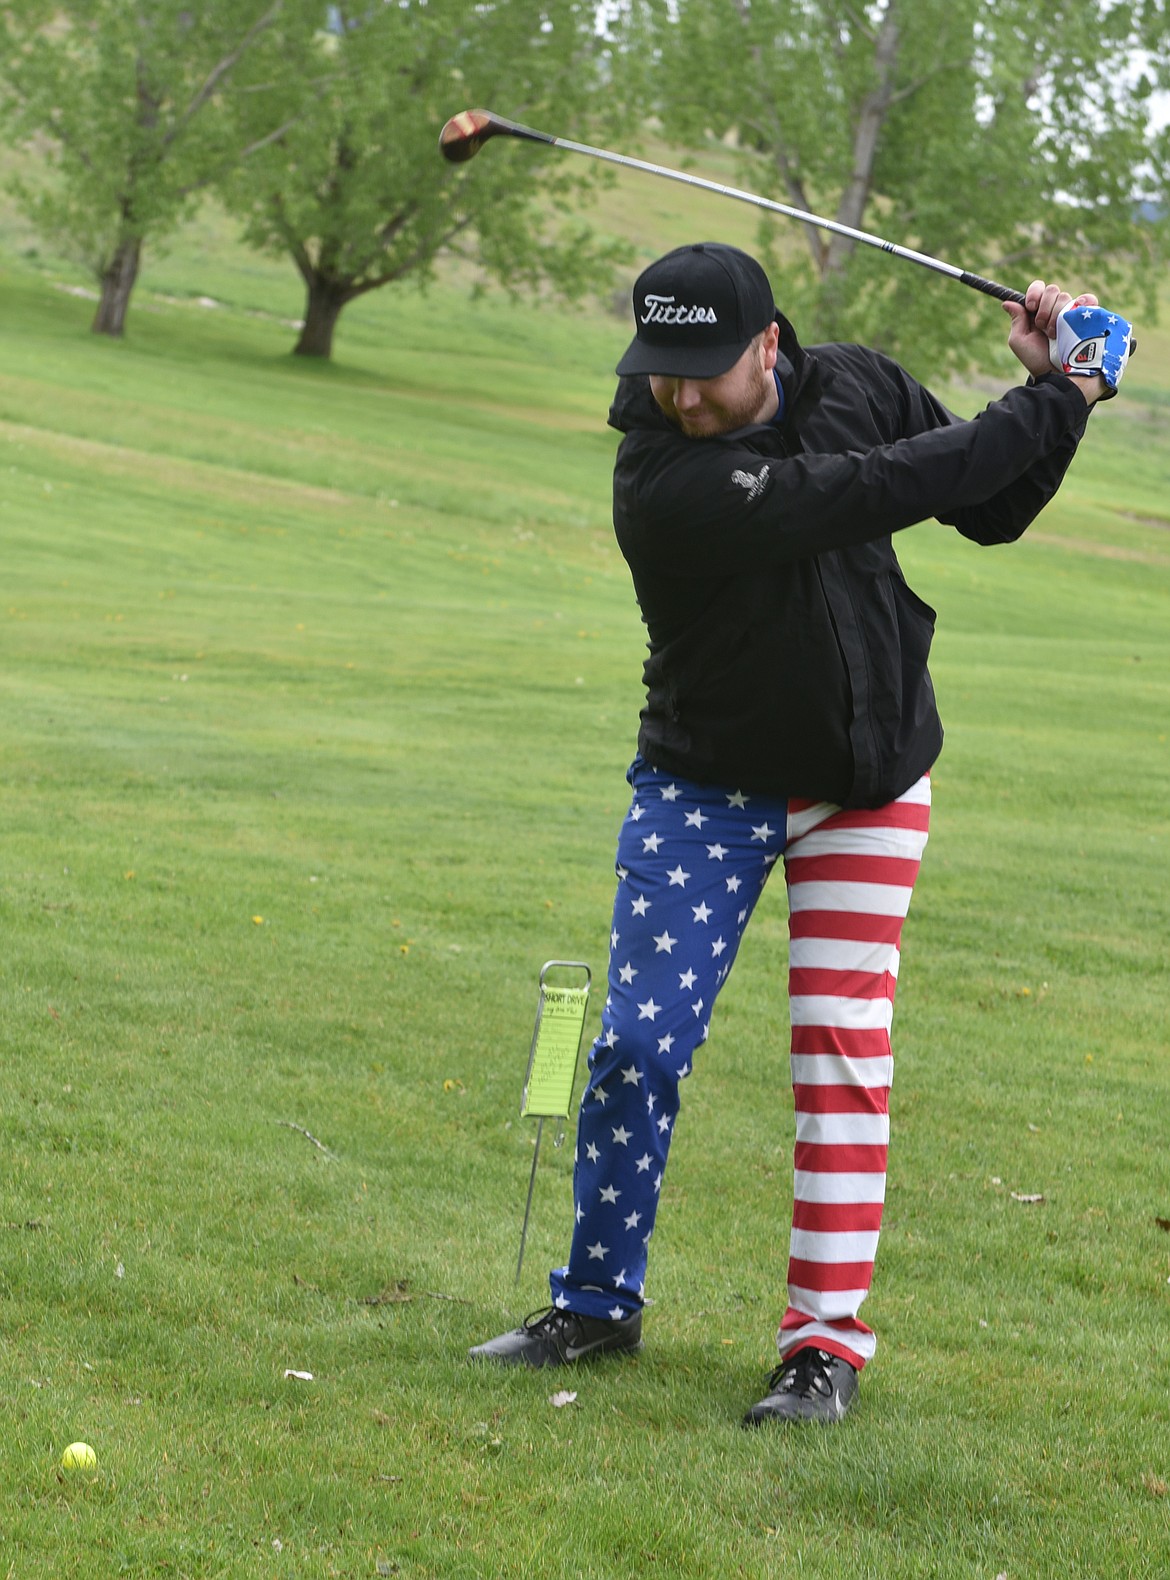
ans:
(697, 310)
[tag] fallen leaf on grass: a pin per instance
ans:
(559, 1400)
(1163, 1223)
(392, 1295)
(1026, 1199)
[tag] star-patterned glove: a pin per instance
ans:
(1093, 340)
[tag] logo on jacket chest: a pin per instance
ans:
(755, 486)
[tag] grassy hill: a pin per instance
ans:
(318, 687)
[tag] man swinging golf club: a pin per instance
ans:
(789, 718)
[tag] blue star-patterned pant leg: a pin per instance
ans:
(692, 861)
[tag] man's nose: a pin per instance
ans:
(687, 395)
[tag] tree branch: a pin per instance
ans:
(296, 247)
(252, 148)
(866, 136)
(860, 22)
(900, 95)
(272, 137)
(392, 226)
(221, 69)
(68, 142)
(412, 261)
(773, 135)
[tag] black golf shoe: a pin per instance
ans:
(558, 1338)
(811, 1385)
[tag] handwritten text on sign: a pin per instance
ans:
(549, 1091)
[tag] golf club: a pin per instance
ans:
(465, 134)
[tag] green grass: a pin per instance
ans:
(318, 689)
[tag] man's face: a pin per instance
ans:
(746, 393)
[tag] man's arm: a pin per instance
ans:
(697, 508)
(1006, 516)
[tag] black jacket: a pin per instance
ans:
(787, 653)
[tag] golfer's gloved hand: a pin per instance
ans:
(1093, 340)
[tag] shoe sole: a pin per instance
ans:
(587, 1353)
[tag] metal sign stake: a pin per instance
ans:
(552, 1064)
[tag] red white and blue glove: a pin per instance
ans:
(1092, 340)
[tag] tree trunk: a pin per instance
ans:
(866, 136)
(117, 282)
(322, 310)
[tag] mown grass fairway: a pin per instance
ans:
(318, 690)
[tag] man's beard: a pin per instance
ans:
(714, 418)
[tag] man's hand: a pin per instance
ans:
(1033, 331)
(1091, 341)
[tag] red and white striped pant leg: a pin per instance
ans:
(850, 875)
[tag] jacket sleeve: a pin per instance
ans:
(1006, 515)
(697, 507)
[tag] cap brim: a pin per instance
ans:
(680, 362)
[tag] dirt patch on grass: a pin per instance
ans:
(1102, 551)
(1144, 521)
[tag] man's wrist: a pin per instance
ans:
(1093, 387)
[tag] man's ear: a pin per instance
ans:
(770, 345)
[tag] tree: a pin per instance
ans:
(127, 99)
(1011, 137)
(354, 191)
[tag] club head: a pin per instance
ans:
(465, 134)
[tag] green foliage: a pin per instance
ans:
(1010, 139)
(124, 104)
(355, 191)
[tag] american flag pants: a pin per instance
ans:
(692, 861)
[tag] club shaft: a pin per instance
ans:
(990, 288)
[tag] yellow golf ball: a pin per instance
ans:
(79, 1456)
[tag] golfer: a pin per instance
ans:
(789, 721)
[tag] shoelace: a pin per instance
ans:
(547, 1318)
(805, 1373)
